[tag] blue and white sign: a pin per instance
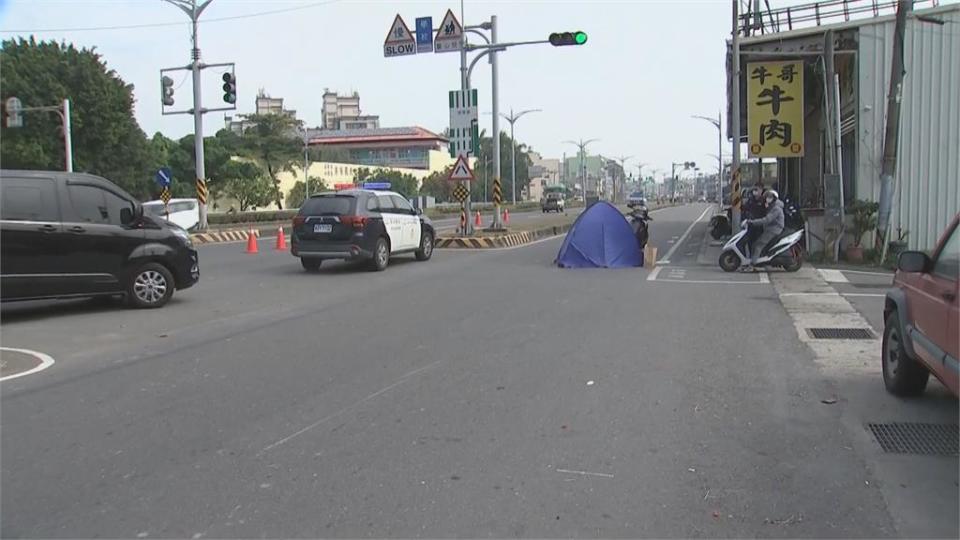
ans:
(164, 177)
(424, 34)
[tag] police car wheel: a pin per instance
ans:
(426, 247)
(381, 255)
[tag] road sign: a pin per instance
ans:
(165, 195)
(461, 192)
(164, 177)
(464, 129)
(399, 40)
(424, 34)
(450, 35)
(461, 170)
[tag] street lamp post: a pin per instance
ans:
(717, 123)
(623, 179)
(512, 118)
(582, 145)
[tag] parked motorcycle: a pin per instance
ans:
(784, 251)
(639, 216)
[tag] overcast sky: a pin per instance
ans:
(648, 65)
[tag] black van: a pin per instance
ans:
(66, 235)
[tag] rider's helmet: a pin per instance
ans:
(771, 193)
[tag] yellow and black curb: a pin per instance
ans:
(501, 241)
(223, 236)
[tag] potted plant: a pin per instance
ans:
(864, 220)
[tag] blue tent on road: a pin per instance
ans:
(600, 238)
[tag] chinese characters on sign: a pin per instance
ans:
(775, 108)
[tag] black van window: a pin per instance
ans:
(29, 200)
(331, 205)
(92, 204)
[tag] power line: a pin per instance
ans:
(163, 24)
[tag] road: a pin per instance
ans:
(482, 393)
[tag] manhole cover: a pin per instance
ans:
(916, 438)
(840, 333)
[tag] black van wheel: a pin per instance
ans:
(151, 286)
(381, 255)
(311, 264)
(902, 375)
(426, 247)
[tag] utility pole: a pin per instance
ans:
(892, 133)
(582, 145)
(512, 118)
(735, 120)
(193, 10)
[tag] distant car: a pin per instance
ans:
(182, 212)
(359, 224)
(921, 318)
(66, 235)
(553, 202)
(635, 199)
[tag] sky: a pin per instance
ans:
(646, 68)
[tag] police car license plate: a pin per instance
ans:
(322, 228)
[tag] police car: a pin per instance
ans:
(369, 223)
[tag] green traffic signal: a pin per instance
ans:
(559, 39)
(580, 38)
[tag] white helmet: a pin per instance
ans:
(772, 193)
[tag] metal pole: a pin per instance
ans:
(719, 161)
(513, 161)
(735, 120)
(495, 91)
(67, 137)
(198, 121)
(465, 88)
(839, 172)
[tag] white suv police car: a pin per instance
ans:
(369, 223)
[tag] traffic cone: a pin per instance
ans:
(281, 240)
(477, 221)
(506, 216)
(252, 246)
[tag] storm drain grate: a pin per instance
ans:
(916, 438)
(840, 333)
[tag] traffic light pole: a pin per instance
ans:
(198, 126)
(63, 111)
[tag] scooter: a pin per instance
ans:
(639, 217)
(784, 251)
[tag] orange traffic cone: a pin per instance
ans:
(477, 221)
(506, 216)
(252, 246)
(281, 240)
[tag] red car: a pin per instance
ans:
(920, 334)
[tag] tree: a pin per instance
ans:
(436, 185)
(403, 183)
(273, 142)
(298, 192)
(247, 183)
(107, 140)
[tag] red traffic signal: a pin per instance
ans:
(559, 39)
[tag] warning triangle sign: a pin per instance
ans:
(461, 170)
(450, 33)
(399, 32)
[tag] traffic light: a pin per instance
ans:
(166, 90)
(689, 165)
(559, 39)
(229, 88)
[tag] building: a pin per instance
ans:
(264, 104)
(406, 147)
(342, 112)
(544, 173)
(925, 190)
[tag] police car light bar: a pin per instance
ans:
(376, 185)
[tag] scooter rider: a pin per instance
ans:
(772, 224)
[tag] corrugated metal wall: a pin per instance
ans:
(928, 166)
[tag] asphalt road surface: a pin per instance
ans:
(478, 394)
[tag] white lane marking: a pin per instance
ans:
(764, 278)
(653, 275)
(831, 275)
(585, 473)
(864, 272)
(348, 408)
(662, 280)
(865, 295)
(663, 261)
(860, 295)
(45, 362)
(685, 234)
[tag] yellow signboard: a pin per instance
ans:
(775, 109)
